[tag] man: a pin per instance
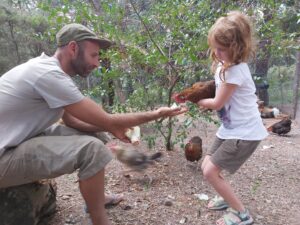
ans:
(36, 94)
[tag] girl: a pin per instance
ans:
(232, 44)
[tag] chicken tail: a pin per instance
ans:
(155, 156)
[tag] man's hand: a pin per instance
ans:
(120, 133)
(169, 111)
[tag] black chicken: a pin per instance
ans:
(282, 127)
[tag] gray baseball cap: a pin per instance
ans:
(78, 32)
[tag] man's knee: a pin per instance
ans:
(93, 148)
(93, 157)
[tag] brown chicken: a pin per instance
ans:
(132, 158)
(282, 127)
(198, 91)
(193, 149)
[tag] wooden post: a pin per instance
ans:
(296, 84)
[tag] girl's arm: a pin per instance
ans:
(223, 94)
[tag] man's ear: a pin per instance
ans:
(73, 48)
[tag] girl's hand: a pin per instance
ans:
(201, 103)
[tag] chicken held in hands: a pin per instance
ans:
(193, 149)
(132, 158)
(199, 90)
(282, 127)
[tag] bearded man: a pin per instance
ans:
(36, 94)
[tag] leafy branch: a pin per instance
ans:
(177, 78)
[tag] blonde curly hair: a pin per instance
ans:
(235, 33)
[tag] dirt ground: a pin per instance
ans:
(168, 193)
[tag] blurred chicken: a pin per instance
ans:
(193, 149)
(282, 127)
(132, 158)
(269, 112)
(198, 91)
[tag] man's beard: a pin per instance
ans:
(80, 66)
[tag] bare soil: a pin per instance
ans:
(268, 184)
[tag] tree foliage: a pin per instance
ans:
(21, 35)
(160, 46)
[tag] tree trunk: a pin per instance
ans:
(96, 6)
(88, 85)
(261, 70)
(13, 38)
(116, 89)
(28, 204)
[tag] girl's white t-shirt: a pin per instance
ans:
(240, 116)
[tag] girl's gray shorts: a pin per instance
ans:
(231, 154)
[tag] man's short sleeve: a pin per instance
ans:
(58, 89)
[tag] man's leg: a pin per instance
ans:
(51, 156)
(63, 130)
(92, 190)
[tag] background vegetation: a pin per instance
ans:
(160, 47)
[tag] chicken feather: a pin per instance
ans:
(134, 159)
(193, 149)
(282, 127)
(199, 90)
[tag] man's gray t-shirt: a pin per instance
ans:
(32, 97)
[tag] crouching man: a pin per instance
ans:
(36, 94)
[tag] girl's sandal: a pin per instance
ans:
(234, 217)
(217, 203)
